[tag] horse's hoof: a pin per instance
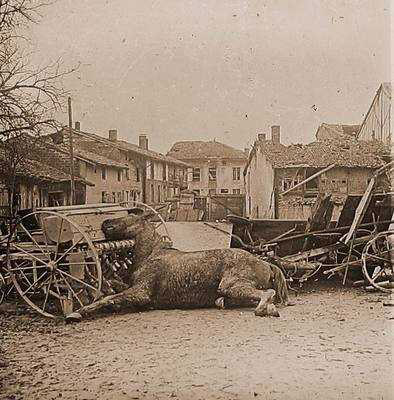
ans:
(219, 303)
(272, 311)
(269, 310)
(73, 317)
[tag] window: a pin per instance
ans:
(212, 191)
(152, 170)
(164, 172)
(128, 174)
(137, 172)
(212, 174)
(171, 174)
(196, 174)
(152, 193)
(103, 173)
(197, 191)
(95, 169)
(119, 175)
(236, 173)
(224, 191)
(312, 184)
(103, 197)
(288, 183)
(236, 191)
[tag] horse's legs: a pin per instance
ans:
(244, 292)
(137, 295)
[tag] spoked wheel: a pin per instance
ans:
(53, 264)
(159, 224)
(378, 260)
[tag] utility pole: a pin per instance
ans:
(70, 131)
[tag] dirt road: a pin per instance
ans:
(334, 344)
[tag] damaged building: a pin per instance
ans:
(283, 182)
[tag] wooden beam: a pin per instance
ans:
(360, 210)
(309, 179)
(323, 250)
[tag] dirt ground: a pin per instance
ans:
(333, 344)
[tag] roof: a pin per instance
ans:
(197, 149)
(124, 145)
(43, 171)
(150, 154)
(94, 154)
(333, 131)
(320, 154)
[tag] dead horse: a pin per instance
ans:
(166, 278)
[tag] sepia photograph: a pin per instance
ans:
(196, 200)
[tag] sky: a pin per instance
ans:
(216, 69)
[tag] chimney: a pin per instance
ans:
(275, 134)
(113, 135)
(77, 126)
(143, 142)
(261, 137)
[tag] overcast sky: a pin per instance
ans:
(224, 69)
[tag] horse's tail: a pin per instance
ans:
(280, 285)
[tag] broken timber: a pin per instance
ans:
(309, 179)
(322, 250)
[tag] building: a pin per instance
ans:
(162, 177)
(122, 171)
(215, 167)
(42, 176)
(377, 121)
(336, 131)
(342, 167)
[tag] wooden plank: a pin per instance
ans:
(309, 179)
(360, 211)
(323, 250)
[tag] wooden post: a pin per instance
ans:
(70, 130)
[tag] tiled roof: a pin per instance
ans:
(196, 149)
(321, 154)
(334, 131)
(150, 154)
(123, 145)
(87, 150)
(43, 171)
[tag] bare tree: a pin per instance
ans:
(29, 97)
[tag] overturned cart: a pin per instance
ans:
(359, 245)
(58, 259)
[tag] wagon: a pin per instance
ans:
(58, 260)
(369, 252)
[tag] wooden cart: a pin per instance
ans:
(57, 259)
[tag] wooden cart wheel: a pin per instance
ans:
(53, 264)
(378, 260)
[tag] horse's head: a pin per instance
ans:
(130, 227)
